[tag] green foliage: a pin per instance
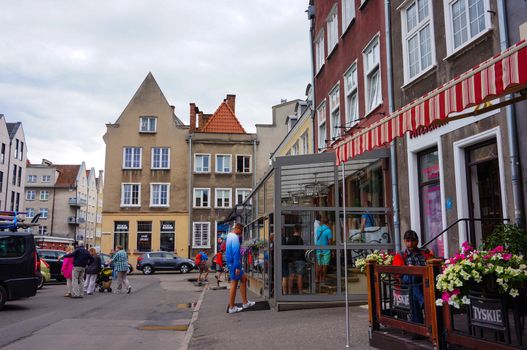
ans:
(512, 237)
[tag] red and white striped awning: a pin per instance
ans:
(503, 74)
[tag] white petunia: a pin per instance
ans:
(514, 292)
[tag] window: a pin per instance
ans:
(200, 234)
(333, 29)
(418, 41)
(319, 52)
(201, 163)
(130, 195)
(19, 177)
(16, 148)
(223, 163)
(14, 174)
(243, 164)
(168, 233)
(144, 236)
(42, 230)
(201, 197)
(32, 178)
(12, 207)
(30, 213)
(30, 195)
(334, 110)
(43, 213)
(351, 91)
(321, 117)
(46, 178)
(468, 19)
(12, 246)
(159, 195)
(223, 198)
(120, 234)
(44, 195)
(295, 149)
(2, 154)
(17, 202)
(148, 124)
(132, 157)
(372, 75)
(160, 158)
(348, 13)
(242, 194)
(21, 150)
(305, 142)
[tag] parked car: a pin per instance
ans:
(105, 261)
(44, 275)
(18, 266)
(148, 263)
(54, 258)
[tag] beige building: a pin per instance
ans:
(146, 186)
(221, 173)
(63, 195)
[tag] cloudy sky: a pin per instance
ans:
(69, 67)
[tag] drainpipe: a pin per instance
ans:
(254, 161)
(311, 28)
(190, 195)
(393, 149)
(512, 132)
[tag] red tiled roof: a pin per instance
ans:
(67, 174)
(223, 121)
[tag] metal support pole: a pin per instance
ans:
(345, 235)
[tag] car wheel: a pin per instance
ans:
(3, 297)
(184, 268)
(148, 270)
(40, 281)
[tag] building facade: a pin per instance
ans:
(222, 171)
(145, 204)
(13, 158)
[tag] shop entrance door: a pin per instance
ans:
(484, 188)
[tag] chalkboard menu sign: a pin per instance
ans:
(401, 297)
(488, 313)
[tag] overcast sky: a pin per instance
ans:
(69, 67)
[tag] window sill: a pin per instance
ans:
(200, 207)
(153, 169)
(424, 74)
(372, 111)
(223, 173)
(332, 51)
(243, 173)
(132, 168)
(160, 206)
(130, 206)
(469, 44)
(200, 172)
(147, 132)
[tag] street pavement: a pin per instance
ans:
(154, 316)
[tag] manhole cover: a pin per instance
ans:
(180, 328)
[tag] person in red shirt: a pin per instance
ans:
(218, 260)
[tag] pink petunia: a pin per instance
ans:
(445, 296)
(456, 291)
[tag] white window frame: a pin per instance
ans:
(194, 197)
(334, 108)
(201, 223)
(29, 197)
(332, 22)
(42, 210)
(148, 131)
(152, 204)
(44, 195)
(320, 121)
(216, 163)
(346, 22)
(160, 167)
(305, 142)
(45, 178)
(32, 179)
(369, 71)
(138, 196)
(196, 155)
(238, 190)
(320, 54)
(416, 31)
(132, 157)
(447, 6)
(30, 213)
(216, 197)
(348, 92)
(250, 164)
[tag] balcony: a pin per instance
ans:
(75, 220)
(76, 202)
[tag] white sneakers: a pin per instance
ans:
(236, 309)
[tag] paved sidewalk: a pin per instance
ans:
(299, 329)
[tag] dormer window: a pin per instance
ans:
(148, 124)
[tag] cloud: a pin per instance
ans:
(68, 68)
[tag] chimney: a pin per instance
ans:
(192, 117)
(201, 123)
(231, 102)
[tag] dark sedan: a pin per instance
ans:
(54, 258)
(163, 261)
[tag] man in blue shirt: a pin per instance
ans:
(234, 261)
(323, 236)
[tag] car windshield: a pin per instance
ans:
(12, 246)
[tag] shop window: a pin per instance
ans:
(144, 236)
(120, 234)
(167, 236)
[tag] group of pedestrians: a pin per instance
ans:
(80, 268)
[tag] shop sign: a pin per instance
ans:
(424, 129)
(167, 226)
(486, 313)
(401, 298)
(145, 237)
(121, 227)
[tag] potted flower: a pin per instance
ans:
(380, 257)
